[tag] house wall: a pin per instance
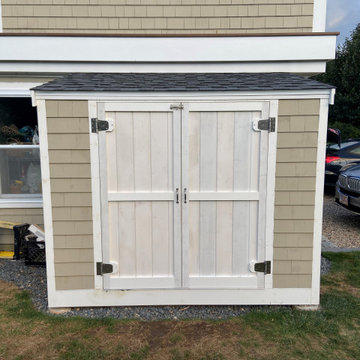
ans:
(70, 182)
(69, 156)
(158, 16)
(29, 216)
(298, 124)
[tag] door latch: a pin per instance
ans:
(185, 195)
(177, 106)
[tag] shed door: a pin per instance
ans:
(141, 225)
(183, 195)
(224, 172)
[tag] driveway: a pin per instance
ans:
(340, 226)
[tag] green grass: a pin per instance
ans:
(282, 333)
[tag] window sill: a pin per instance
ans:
(20, 203)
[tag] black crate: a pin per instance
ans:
(20, 231)
(34, 253)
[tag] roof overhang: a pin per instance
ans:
(105, 96)
(300, 53)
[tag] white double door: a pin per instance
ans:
(183, 191)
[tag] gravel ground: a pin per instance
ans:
(340, 226)
(33, 279)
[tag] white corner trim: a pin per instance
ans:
(319, 194)
(319, 15)
(332, 97)
(46, 189)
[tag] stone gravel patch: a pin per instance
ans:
(33, 279)
(340, 226)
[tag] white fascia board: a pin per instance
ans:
(319, 17)
(167, 49)
(16, 89)
(182, 96)
(304, 67)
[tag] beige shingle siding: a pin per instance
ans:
(69, 156)
(295, 192)
(29, 216)
(157, 16)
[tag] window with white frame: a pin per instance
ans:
(20, 175)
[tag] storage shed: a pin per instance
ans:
(182, 188)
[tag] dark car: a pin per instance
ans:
(347, 191)
(338, 157)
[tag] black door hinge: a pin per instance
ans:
(99, 125)
(102, 268)
(268, 124)
(264, 267)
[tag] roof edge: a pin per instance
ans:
(186, 35)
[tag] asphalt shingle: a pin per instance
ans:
(158, 82)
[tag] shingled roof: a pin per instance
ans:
(156, 82)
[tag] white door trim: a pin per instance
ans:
(270, 193)
(95, 193)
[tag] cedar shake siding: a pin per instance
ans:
(157, 16)
(298, 124)
(70, 181)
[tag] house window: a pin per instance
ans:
(20, 175)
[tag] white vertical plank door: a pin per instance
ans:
(184, 195)
(141, 217)
(224, 225)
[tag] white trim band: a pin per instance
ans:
(70, 298)
(305, 67)
(179, 49)
(301, 54)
